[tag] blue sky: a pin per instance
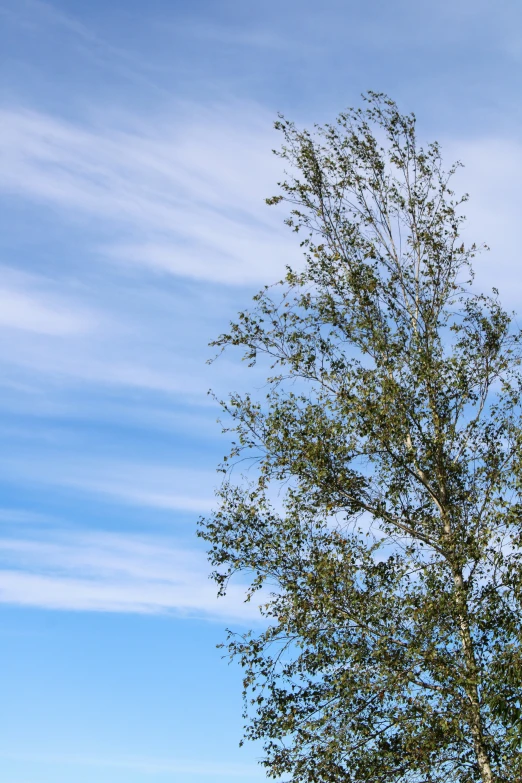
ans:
(135, 144)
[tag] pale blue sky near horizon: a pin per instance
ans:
(135, 144)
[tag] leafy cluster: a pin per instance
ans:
(391, 431)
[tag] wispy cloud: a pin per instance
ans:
(263, 38)
(490, 175)
(47, 21)
(120, 334)
(183, 193)
(149, 201)
(14, 516)
(159, 486)
(43, 313)
(102, 572)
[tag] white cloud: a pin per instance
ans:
(491, 176)
(179, 195)
(121, 334)
(102, 364)
(44, 315)
(14, 516)
(133, 483)
(102, 572)
(183, 192)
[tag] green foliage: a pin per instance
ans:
(385, 511)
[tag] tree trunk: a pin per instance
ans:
(472, 690)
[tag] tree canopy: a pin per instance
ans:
(383, 517)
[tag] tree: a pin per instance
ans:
(385, 513)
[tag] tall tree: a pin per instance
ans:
(384, 519)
